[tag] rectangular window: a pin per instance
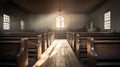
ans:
(107, 20)
(22, 24)
(6, 22)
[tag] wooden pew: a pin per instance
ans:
(51, 36)
(80, 41)
(81, 48)
(44, 42)
(70, 38)
(103, 53)
(14, 53)
(39, 46)
(33, 40)
(32, 43)
(22, 34)
(82, 36)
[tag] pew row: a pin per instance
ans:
(35, 43)
(78, 41)
(81, 45)
(32, 44)
(83, 35)
(103, 53)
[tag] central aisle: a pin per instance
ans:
(61, 56)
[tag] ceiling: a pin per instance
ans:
(42, 6)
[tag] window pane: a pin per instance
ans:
(57, 24)
(6, 26)
(6, 22)
(107, 20)
(22, 25)
(60, 22)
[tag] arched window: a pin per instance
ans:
(60, 22)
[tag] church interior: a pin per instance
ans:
(59, 33)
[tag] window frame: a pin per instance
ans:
(107, 20)
(60, 22)
(6, 22)
(22, 25)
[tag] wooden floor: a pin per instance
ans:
(61, 56)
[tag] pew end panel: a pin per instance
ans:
(77, 51)
(14, 52)
(91, 53)
(23, 54)
(39, 48)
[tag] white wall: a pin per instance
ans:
(43, 22)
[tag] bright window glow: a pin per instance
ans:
(107, 20)
(22, 25)
(6, 22)
(60, 22)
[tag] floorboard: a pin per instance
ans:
(61, 56)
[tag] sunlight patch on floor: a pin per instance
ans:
(55, 44)
(58, 45)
